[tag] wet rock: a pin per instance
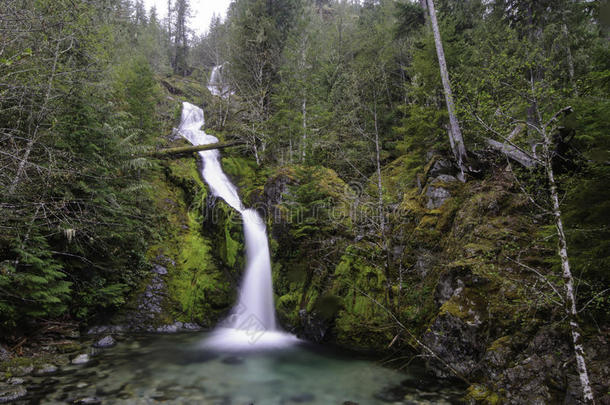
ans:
(87, 401)
(46, 369)
(313, 327)
(81, 359)
(105, 342)
(436, 196)
(15, 381)
(10, 393)
(167, 329)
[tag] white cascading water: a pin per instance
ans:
(216, 84)
(252, 323)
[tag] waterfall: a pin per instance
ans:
(216, 84)
(252, 321)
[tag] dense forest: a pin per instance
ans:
(434, 176)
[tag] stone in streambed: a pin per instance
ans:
(10, 393)
(46, 369)
(81, 359)
(87, 401)
(105, 342)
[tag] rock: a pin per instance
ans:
(87, 401)
(424, 261)
(15, 381)
(105, 342)
(46, 369)
(10, 393)
(167, 329)
(350, 403)
(4, 354)
(99, 330)
(21, 371)
(444, 178)
(313, 327)
(159, 269)
(81, 359)
(442, 166)
(436, 196)
(459, 343)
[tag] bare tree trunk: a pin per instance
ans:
(382, 224)
(39, 117)
(304, 113)
(569, 57)
(459, 150)
(570, 300)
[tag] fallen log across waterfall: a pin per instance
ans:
(187, 150)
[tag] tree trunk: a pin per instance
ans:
(186, 150)
(382, 224)
(459, 150)
(304, 113)
(570, 301)
(39, 117)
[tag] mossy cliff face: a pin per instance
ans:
(454, 270)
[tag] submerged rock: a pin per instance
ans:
(105, 342)
(10, 393)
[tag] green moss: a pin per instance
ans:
(481, 394)
(197, 284)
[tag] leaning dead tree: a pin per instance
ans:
(546, 131)
(455, 134)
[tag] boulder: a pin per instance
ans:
(105, 342)
(436, 196)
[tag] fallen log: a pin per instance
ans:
(187, 150)
(514, 153)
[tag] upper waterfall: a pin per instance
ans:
(216, 84)
(252, 322)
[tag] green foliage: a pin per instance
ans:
(33, 284)
(136, 85)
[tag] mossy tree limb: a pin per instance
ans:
(187, 150)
